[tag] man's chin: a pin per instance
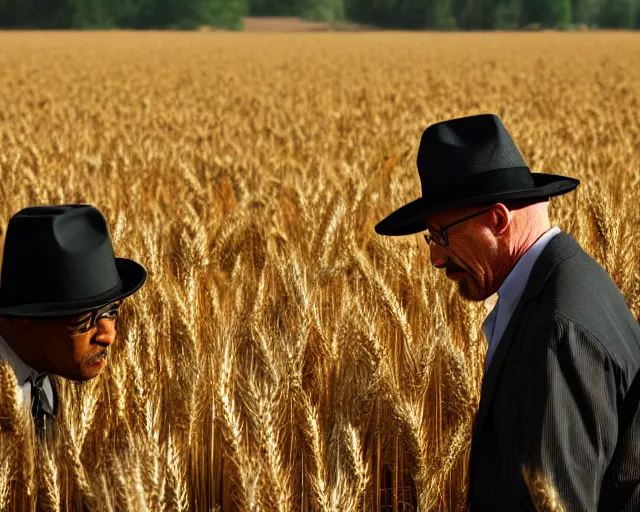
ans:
(467, 293)
(91, 374)
(471, 297)
(84, 374)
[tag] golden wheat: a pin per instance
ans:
(282, 356)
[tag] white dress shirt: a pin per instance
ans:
(23, 372)
(510, 292)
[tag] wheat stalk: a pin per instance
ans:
(543, 493)
(281, 354)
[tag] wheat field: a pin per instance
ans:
(282, 356)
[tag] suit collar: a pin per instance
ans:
(561, 247)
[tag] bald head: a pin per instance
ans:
(483, 250)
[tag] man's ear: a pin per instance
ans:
(501, 218)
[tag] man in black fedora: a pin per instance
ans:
(561, 391)
(60, 290)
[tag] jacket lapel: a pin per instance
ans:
(560, 247)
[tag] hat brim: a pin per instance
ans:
(132, 277)
(410, 218)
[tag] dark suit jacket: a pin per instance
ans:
(562, 393)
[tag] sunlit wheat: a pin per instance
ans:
(282, 356)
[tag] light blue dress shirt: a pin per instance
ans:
(510, 292)
(23, 372)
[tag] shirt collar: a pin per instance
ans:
(513, 286)
(22, 370)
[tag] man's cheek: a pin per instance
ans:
(78, 349)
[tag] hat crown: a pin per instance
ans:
(470, 161)
(453, 151)
(57, 254)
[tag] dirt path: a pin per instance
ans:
(292, 24)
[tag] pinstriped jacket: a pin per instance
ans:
(561, 398)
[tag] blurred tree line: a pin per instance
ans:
(410, 14)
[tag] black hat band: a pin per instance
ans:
(492, 182)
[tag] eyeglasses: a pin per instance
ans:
(88, 321)
(439, 237)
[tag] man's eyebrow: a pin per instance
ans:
(81, 320)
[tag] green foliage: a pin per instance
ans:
(388, 13)
(35, 14)
(549, 13)
(324, 10)
(478, 14)
(411, 14)
(95, 13)
(585, 11)
(618, 14)
(508, 14)
(561, 14)
(397, 14)
(443, 18)
(318, 10)
(218, 13)
(141, 14)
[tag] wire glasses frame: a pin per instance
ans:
(439, 237)
(90, 319)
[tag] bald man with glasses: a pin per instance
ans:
(60, 293)
(560, 395)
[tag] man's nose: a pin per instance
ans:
(106, 334)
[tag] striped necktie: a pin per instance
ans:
(41, 411)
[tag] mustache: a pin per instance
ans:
(100, 355)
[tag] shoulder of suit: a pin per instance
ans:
(566, 329)
(580, 291)
(580, 274)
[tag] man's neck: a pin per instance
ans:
(528, 241)
(521, 248)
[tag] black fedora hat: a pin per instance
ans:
(470, 161)
(59, 261)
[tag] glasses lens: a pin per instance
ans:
(89, 320)
(434, 238)
(110, 311)
(82, 328)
